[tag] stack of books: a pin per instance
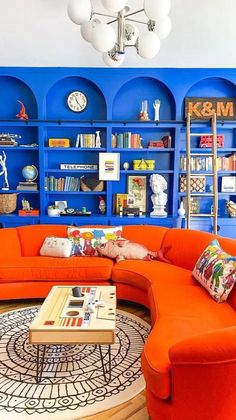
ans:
(27, 186)
(127, 140)
(8, 139)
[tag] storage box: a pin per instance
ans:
(197, 183)
(144, 165)
(59, 142)
(28, 212)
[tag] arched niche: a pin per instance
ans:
(128, 100)
(56, 100)
(211, 87)
(11, 90)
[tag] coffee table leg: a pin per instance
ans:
(39, 368)
(107, 375)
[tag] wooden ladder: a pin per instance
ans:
(189, 175)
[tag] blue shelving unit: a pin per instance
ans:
(114, 100)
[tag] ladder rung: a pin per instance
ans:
(201, 134)
(202, 195)
(202, 215)
(199, 173)
(201, 154)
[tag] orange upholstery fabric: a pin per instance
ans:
(150, 236)
(10, 244)
(59, 269)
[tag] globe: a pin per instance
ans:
(30, 173)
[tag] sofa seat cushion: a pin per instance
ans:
(50, 268)
(183, 311)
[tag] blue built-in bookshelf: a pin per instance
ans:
(114, 101)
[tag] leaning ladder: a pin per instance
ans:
(213, 174)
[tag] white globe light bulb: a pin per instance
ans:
(163, 27)
(156, 9)
(79, 11)
(148, 45)
(103, 37)
(87, 29)
(114, 5)
(113, 59)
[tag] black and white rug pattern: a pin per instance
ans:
(72, 384)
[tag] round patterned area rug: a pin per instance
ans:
(72, 384)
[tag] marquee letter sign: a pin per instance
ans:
(204, 108)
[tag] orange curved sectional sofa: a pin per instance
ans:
(189, 358)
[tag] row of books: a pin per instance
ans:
(127, 140)
(87, 141)
(69, 183)
(223, 163)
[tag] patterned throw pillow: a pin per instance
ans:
(56, 247)
(86, 240)
(216, 271)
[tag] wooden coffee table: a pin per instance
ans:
(65, 319)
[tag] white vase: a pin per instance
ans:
(181, 210)
(53, 212)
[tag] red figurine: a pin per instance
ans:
(22, 114)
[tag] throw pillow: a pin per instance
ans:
(86, 240)
(216, 271)
(56, 247)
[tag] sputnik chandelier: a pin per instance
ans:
(155, 25)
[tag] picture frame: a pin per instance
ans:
(109, 166)
(194, 204)
(137, 192)
(228, 184)
(120, 200)
(62, 204)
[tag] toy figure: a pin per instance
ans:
(4, 170)
(22, 114)
(102, 205)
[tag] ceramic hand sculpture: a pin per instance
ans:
(156, 106)
(159, 199)
(4, 170)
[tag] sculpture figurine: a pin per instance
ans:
(98, 140)
(102, 205)
(156, 106)
(159, 199)
(4, 171)
(22, 114)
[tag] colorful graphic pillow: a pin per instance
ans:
(56, 247)
(216, 271)
(86, 240)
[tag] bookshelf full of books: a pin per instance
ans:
(67, 183)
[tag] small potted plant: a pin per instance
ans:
(53, 210)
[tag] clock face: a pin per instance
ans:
(77, 101)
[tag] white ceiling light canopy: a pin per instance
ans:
(111, 43)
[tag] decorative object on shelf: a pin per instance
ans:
(194, 204)
(206, 141)
(22, 114)
(181, 209)
(231, 208)
(7, 139)
(75, 212)
(61, 205)
(103, 36)
(102, 205)
(30, 173)
(228, 184)
(27, 210)
(164, 142)
(78, 166)
(137, 190)
(131, 211)
(91, 184)
(98, 143)
(77, 101)
(53, 211)
(126, 166)
(158, 185)
(144, 164)
(58, 142)
(119, 201)
(204, 108)
(109, 166)
(3, 172)
(143, 115)
(156, 106)
(197, 183)
(8, 203)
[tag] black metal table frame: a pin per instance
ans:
(40, 363)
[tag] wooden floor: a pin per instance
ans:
(134, 409)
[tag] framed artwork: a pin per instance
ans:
(228, 184)
(194, 204)
(137, 192)
(109, 166)
(120, 200)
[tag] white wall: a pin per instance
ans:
(39, 33)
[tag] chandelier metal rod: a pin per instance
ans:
(137, 21)
(104, 14)
(134, 13)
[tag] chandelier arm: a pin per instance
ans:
(112, 21)
(137, 21)
(134, 13)
(103, 14)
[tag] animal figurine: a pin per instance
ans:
(22, 114)
(125, 250)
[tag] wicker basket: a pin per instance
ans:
(7, 203)
(231, 207)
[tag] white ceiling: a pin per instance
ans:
(39, 33)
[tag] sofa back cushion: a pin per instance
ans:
(32, 237)
(150, 236)
(10, 244)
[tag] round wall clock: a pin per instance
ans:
(77, 101)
